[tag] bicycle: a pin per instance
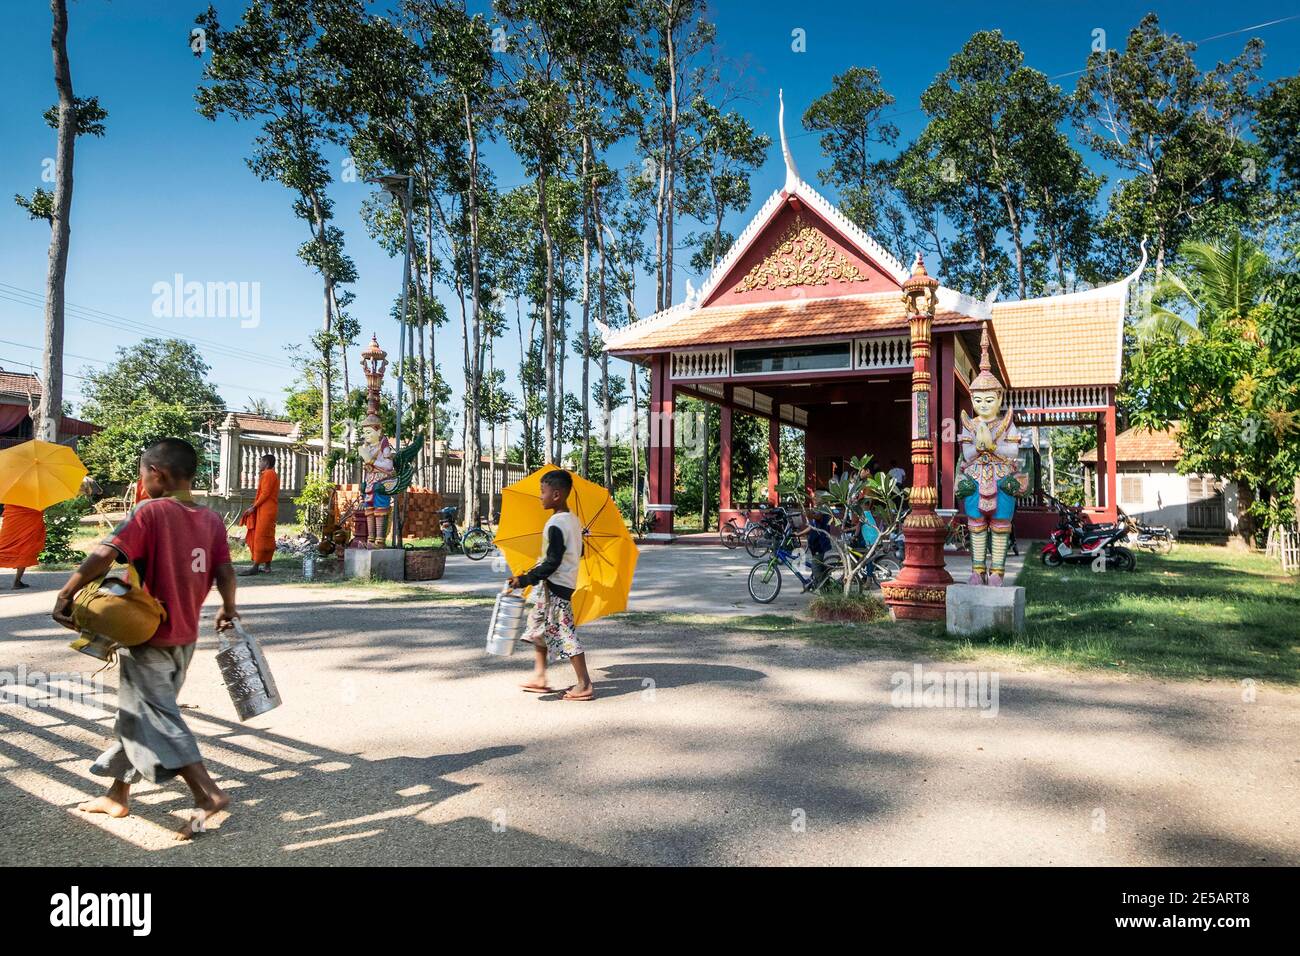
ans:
(764, 582)
(732, 533)
(476, 544)
(958, 536)
(763, 534)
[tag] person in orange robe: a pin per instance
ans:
(22, 538)
(259, 519)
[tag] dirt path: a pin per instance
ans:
(401, 742)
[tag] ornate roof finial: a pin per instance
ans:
(985, 381)
(791, 173)
(919, 290)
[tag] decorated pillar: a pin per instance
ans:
(376, 452)
(920, 590)
(227, 482)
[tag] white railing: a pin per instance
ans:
(251, 452)
(1060, 396)
(710, 363)
(241, 455)
(892, 352)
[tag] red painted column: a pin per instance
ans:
(724, 452)
(773, 459)
(947, 424)
(920, 591)
(652, 431)
(1099, 487)
(1112, 467)
(661, 443)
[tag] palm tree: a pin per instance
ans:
(1218, 284)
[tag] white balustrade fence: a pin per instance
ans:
(892, 352)
(295, 460)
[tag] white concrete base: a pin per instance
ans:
(973, 609)
(379, 564)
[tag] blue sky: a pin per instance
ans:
(166, 192)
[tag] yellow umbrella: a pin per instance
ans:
(37, 474)
(608, 553)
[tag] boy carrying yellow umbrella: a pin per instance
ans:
(584, 561)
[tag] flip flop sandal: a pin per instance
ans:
(570, 695)
(534, 689)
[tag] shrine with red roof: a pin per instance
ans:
(804, 323)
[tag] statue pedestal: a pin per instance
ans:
(973, 609)
(377, 564)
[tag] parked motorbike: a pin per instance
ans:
(1147, 537)
(1077, 540)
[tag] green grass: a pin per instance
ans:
(1202, 612)
(1199, 612)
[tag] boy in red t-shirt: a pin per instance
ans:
(179, 549)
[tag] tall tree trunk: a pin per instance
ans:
(604, 356)
(561, 358)
(670, 160)
(492, 449)
(327, 326)
(433, 341)
(474, 369)
(51, 413)
(1245, 520)
(587, 191)
(548, 316)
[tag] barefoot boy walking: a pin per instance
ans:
(550, 626)
(180, 549)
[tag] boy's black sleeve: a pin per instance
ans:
(554, 555)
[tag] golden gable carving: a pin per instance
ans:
(802, 256)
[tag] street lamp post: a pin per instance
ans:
(920, 590)
(402, 188)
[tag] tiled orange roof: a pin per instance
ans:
(789, 319)
(260, 423)
(1072, 339)
(1140, 444)
(19, 383)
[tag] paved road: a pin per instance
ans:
(400, 742)
(704, 579)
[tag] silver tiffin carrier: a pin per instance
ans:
(509, 615)
(247, 676)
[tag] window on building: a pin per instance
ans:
(793, 359)
(1131, 490)
(1202, 488)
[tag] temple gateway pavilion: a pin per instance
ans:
(804, 323)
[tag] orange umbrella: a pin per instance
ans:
(609, 554)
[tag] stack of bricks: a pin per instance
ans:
(420, 514)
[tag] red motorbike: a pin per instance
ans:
(1077, 540)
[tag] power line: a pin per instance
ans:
(99, 317)
(101, 361)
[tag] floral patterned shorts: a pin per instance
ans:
(551, 622)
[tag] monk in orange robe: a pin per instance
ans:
(259, 519)
(22, 538)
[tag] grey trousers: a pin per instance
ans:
(153, 741)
